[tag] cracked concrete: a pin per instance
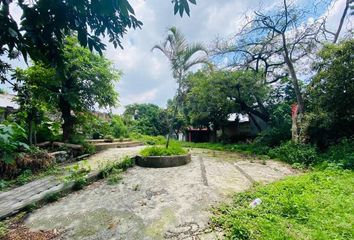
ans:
(150, 203)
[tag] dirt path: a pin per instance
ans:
(169, 203)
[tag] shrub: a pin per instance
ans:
(149, 140)
(33, 161)
(118, 127)
(295, 153)
(162, 151)
(12, 137)
(341, 154)
(112, 171)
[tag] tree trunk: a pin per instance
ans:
(172, 120)
(299, 99)
(68, 125)
(255, 122)
(336, 35)
(30, 132)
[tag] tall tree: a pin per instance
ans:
(89, 83)
(45, 24)
(274, 41)
(330, 96)
(145, 118)
(182, 57)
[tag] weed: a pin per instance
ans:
(52, 197)
(25, 177)
(112, 171)
(3, 229)
(78, 175)
(30, 207)
(136, 187)
(314, 205)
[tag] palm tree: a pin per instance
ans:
(182, 57)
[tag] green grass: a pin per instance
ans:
(173, 149)
(113, 171)
(247, 148)
(315, 205)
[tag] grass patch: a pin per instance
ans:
(149, 140)
(173, 149)
(113, 171)
(246, 148)
(315, 205)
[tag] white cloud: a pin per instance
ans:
(147, 76)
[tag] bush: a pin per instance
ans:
(12, 137)
(112, 171)
(118, 128)
(162, 151)
(149, 140)
(341, 154)
(295, 153)
(35, 160)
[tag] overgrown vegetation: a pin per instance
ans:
(112, 170)
(78, 175)
(316, 205)
(174, 149)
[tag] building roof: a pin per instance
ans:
(8, 100)
(242, 117)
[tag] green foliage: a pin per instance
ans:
(118, 127)
(78, 175)
(341, 154)
(12, 137)
(295, 153)
(43, 26)
(3, 228)
(115, 176)
(52, 197)
(88, 82)
(25, 177)
(48, 130)
(174, 149)
(206, 101)
(330, 95)
(112, 171)
(279, 129)
(246, 148)
(145, 119)
(149, 140)
(315, 205)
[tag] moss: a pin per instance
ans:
(157, 228)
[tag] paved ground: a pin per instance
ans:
(19, 197)
(169, 203)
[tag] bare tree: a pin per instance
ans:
(272, 43)
(328, 34)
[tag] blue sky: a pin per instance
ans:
(146, 75)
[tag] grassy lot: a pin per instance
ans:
(314, 205)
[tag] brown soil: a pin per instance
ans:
(21, 232)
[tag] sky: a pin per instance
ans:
(146, 75)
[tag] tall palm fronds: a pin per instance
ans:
(180, 53)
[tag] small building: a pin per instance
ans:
(8, 105)
(197, 134)
(239, 127)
